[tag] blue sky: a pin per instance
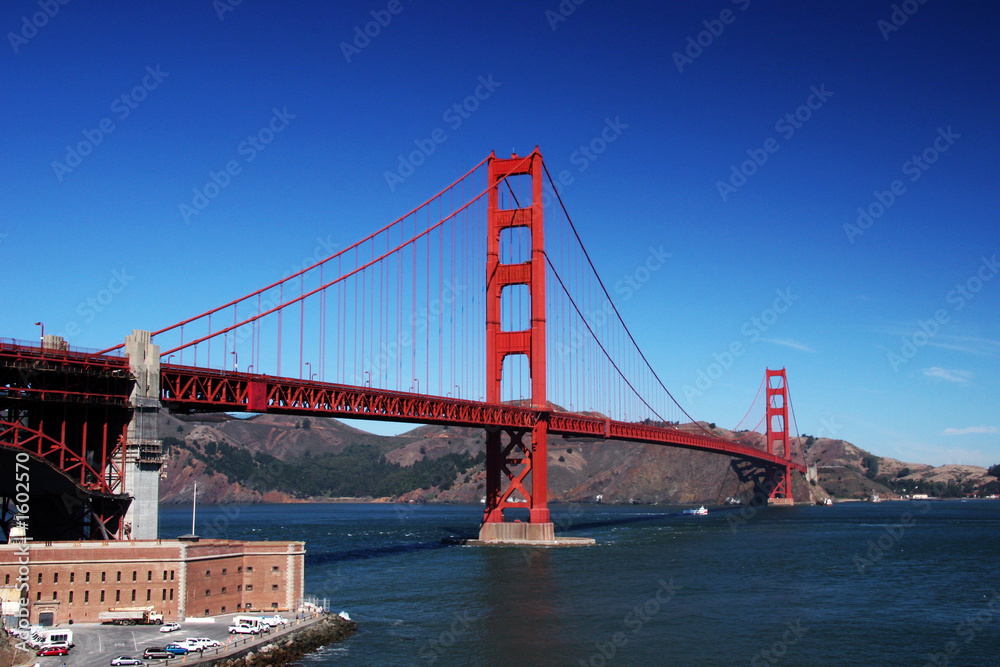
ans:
(750, 135)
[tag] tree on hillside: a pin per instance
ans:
(994, 470)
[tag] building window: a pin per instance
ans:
(249, 587)
(148, 594)
(39, 577)
(208, 573)
(86, 578)
(118, 596)
(171, 594)
(223, 591)
(133, 575)
(102, 596)
(55, 578)
(249, 568)
(248, 605)
(164, 575)
(149, 575)
(38, 596)
(275, 568)
(239, 569)
(55, 595)
(71, 597)
(274, 587)
(171, 575)
(239, 587)
(119, 576)
(86, 597)
(104, 577)
(6, 579)
(133, 595)
(223, 609)
(224, 570)
(72, 577)
(164, 594)
(274, 605)
(208, 592)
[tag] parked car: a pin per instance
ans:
(242, 630)
(157, 652)
(206, 642)
(170, 627)
(125, 660)
(177, 649)
(54, 649)
(193, 644)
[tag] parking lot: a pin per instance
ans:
(96, 645)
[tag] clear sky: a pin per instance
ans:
(748, 135)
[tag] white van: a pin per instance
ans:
(42, 638)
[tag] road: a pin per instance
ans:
(96, 645)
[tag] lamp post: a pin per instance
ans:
(41, 339)
(309, 364)
(236, 361)
(368, 382)
(250, 368)
(416, 382)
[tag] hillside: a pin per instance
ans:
(276, 458)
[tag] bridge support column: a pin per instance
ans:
(143, 447)
(516, 471)
(779, 480)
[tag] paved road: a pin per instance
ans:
(97, 644)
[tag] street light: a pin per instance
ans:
(309, 364)
(416, 381)
(458, 391)
(170, 357)
(236, 361)
(368, 382)
(250, 368)
(41, 339)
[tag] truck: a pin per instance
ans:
(131, 616)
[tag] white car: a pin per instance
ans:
(205, 642)
(125, 660)
(242, 630)
(170, 627)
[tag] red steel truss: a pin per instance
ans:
(199, 389)
(776, 386)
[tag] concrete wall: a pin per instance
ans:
(143, 453)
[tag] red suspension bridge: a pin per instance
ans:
(390, 328)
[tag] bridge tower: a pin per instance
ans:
(516, 471)
(780, 479)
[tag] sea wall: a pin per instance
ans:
(288, 648)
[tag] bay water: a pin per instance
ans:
(893, 583)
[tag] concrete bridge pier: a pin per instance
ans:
(143, 447)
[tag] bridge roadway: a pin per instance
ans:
(190, 388)
(199, 389)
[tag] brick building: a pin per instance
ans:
(180, 578)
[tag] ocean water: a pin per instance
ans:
(894, 583)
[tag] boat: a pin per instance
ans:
(701, 511)
(825, 501)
